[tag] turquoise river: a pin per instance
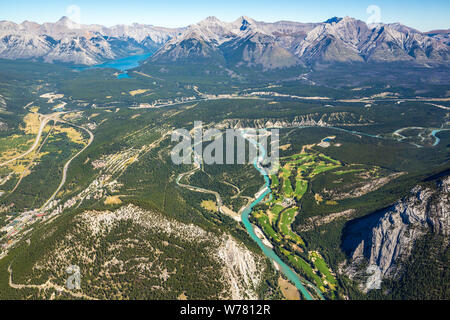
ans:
(284, 268)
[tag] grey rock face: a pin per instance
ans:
(2, 102)
(3, 125)
(310, 119)
(377, 244)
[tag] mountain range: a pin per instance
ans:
(69, 42)
(243, 42)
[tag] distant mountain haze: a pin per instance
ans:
(243, 42)
(69, 42)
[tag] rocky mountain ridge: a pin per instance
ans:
(243, 42)
(310, 119)
(70, 42)
(283, 44)
(377, 244)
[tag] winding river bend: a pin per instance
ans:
(284, 268)
(434, 133)
(245, 218)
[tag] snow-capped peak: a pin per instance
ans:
(67, 23)
(337, 39)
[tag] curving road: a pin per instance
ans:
(198, 189)
(39, 212)
(44, 120)
(30, 164)
(66, 166)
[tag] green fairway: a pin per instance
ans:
(275, 211)
(341, 172)
(274, 181)
(277, 222)
(304, 159)
(305, 268)
(321, 265)
(330, 159)
(286, 219)
(264, 223)
(301, 187)
(287, 187)
(323, 168)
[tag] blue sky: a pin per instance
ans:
(423, 15)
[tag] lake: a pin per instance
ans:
(122, 64)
